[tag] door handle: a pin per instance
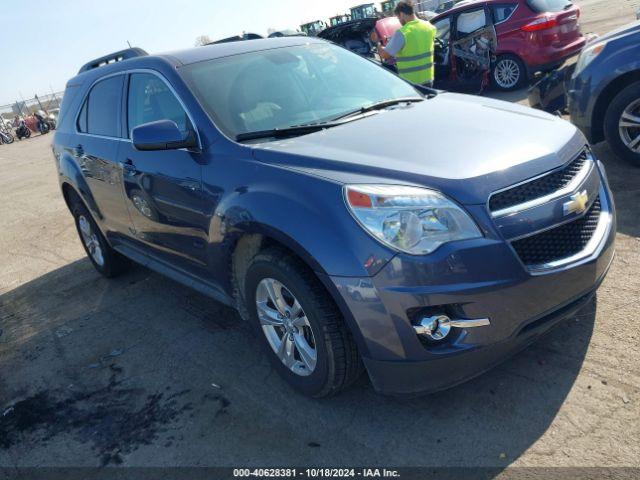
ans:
(128, 168)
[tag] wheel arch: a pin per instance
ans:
(614, 87)
(251, 242)
(72, 180)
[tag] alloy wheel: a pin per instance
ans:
(90, 240)
(286, 327)
(629, 126)
(507, 73)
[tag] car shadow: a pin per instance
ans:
(98, 372)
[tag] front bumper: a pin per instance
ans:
(472, 279)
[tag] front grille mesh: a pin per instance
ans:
(539, 187)
(560, 242)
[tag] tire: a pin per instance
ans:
(109, 263)
(319, 325)
(8, 139)
(627, 101)
(503, 65)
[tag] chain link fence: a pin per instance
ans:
(49, 102)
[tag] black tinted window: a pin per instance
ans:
(541, 6)
(502, 12)
(82, 118)
(150, 99)
(103, 105)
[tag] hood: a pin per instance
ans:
(465, 146)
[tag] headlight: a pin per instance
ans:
(410, 219)
(587, 56)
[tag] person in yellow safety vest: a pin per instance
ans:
(412, 46)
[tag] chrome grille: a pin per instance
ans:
(559, 242)
(539, 187)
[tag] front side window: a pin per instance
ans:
(443, 27)
(289, 86)
(99, 115)
(150, 99)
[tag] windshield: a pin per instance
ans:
(289, 86)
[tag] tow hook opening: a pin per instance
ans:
(439, 329)
(436, 327)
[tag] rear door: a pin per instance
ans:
(163, 189)
(96, 152)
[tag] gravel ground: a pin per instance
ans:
(141, 371)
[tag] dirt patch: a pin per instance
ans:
(113, 419)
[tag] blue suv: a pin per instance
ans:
(357, 221)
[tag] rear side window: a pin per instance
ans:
(543, 6)
(82, 118)
(99, 114)
(470, 21)
(503, 12)
(150, 99)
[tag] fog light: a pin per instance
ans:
(435, 328)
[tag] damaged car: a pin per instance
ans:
(527, 36)
(355, 35)
(265, 175)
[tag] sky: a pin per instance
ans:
(59, 36)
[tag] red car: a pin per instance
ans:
(532, 35)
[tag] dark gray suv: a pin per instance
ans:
(604, 91)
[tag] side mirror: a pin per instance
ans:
(162, 135)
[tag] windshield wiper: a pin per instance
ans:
(379, 106)
(293, 130)
(284, 132)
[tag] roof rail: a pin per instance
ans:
(113, 57)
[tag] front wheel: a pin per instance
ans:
(622, 124)
(8, 138)
(302, 329)
(509, 73)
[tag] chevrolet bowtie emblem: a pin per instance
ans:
(577, 204)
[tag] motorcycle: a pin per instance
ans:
(43, 125)
(23, 131)
(52, 121)
(6, 137)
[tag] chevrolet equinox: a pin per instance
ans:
(356, 221)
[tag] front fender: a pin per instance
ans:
(305, 213)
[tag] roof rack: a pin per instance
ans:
(113, 57)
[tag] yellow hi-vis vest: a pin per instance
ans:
(415, 60)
